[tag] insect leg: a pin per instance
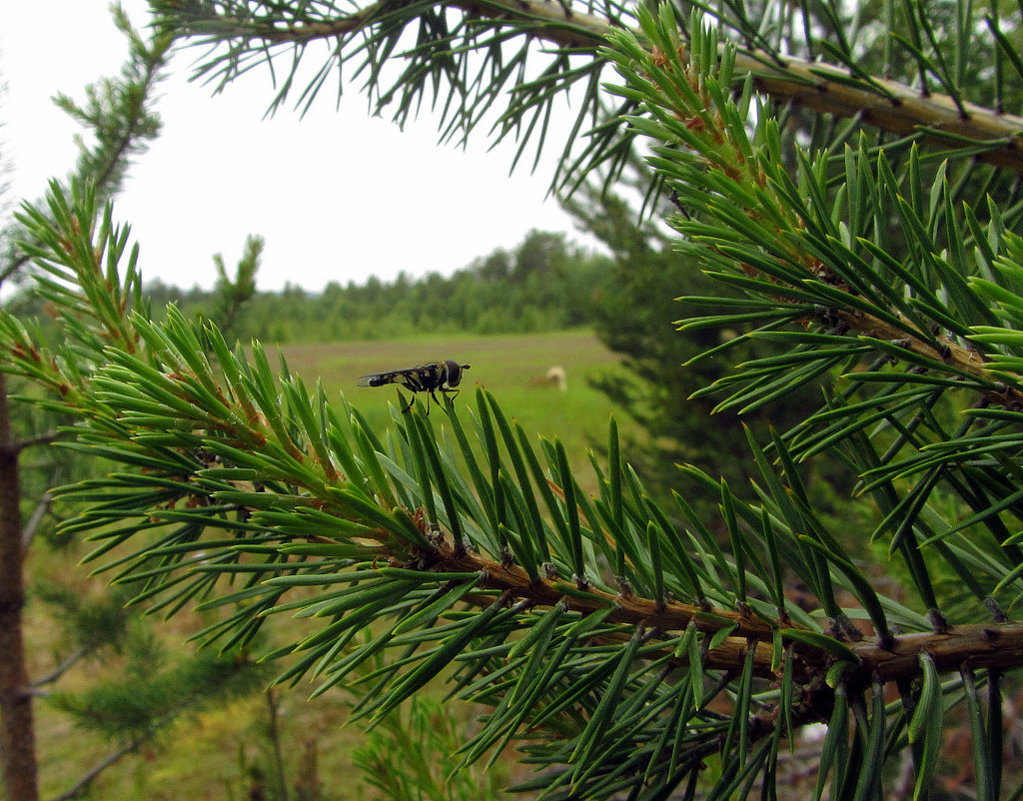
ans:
(433, 394)
(413, 385)
(449, 394)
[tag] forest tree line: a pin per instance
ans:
(545, 283)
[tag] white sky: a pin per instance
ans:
(337, 195)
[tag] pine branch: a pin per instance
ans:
(241, 427)
(940, 120)
(996, 644)
(890, 106)
(794, 254)
(119, 115)
(958, 360)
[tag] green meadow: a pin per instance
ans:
(511, 367)
(210, 755)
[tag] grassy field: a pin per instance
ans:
(205, 756)
(512, 368)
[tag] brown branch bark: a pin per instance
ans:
(17, 731)
(39, 439)
(976, 646)
(884, 104)
(961, 360)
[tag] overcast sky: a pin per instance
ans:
(337, 195)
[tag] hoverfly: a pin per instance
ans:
(443, 376)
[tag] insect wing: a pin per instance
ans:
(379, 379)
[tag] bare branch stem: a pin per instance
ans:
(61, 669)
(83, 783)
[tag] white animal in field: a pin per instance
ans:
(555, 377)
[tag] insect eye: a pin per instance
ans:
(454, 372)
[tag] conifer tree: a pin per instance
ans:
(851, 171)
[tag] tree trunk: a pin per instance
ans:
(17, 732)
